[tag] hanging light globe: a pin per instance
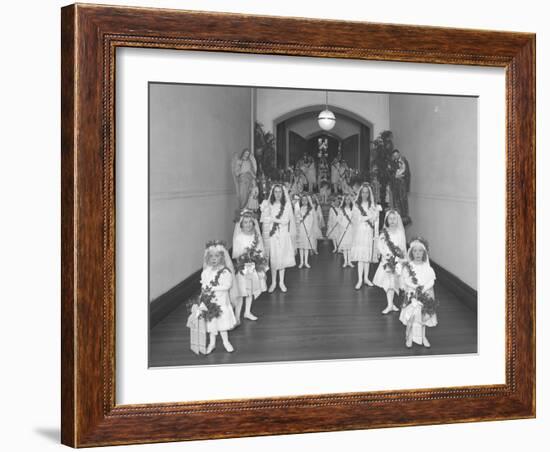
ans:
(326, 120)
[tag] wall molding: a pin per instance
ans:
(466, 295)
(185, 194)
(440, 197)
(164, 304)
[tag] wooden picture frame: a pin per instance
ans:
(90, 35)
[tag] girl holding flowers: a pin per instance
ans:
(392, 247)
(365, 231)
(217, 282)
(278, 221)
(418, 280)
(250, 262)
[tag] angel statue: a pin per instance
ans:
(244, 168)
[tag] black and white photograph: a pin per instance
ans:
(300, 224)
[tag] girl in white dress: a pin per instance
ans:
(319, 221)
(345, 229)
(418, 280)
(305, 221)
(248, 250)
(332, 224)
(218, 278)
(365, 230)
(392, 246)
(278, 220)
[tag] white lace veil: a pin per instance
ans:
(237, 232)
(401, 240)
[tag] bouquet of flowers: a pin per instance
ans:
(429, 303)
(208, 310)
(252, 259)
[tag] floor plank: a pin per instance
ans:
(321, 317)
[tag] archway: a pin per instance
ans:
(297, 129)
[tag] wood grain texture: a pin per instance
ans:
(90, 36)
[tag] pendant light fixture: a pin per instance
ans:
(326, 118)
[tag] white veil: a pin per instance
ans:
(238, 249)
(288, 205)
(401, 241)
(418, 242)
(219, 246)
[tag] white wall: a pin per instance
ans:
(438, 136)
(272, 103)
(193, 134)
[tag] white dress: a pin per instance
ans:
(384, 278)
(281, 250)
(250, 282)
(226, 320)
(332, 224)
(412, 313)
(266, 225)
(320, 223)
(304, 228)
(363, 247)
(345, 230)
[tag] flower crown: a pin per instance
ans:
(422, 240)
(214, 243)
(247, 213)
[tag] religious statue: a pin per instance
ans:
(400, 184)
(383, 148)
(307, 165)
(244, 171)
(335, 170)
(324, 172)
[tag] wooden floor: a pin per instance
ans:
(321, 317)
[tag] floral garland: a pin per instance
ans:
(213, 310)
(396, 253)
(429, 304)
(275, 226)
(346, 214)
(252, 255)
(364, 213)
(306, 214)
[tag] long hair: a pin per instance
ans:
(360, 196)
(283, 197)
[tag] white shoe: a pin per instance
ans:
(350, 265)
(358, 285)
(250, 316)
(283, 287)
(211, 347)
(307, 265)
(426, 343)
(386, 311)
(228, 346)
(344, 266)
(301, 266)
(368, 282)
(272, 288)
(394, 308)
(409, 343)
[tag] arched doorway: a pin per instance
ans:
(297, 133)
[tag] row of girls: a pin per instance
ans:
(353, 229)
(356, 237)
